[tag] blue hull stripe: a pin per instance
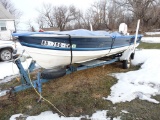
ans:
(68, 49)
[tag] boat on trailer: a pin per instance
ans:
(65, 48)
(59, 49)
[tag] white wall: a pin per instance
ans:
(6, 35)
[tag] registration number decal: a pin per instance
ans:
(57, 44)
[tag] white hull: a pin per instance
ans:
(53, 58)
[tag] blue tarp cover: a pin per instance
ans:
(79, 32)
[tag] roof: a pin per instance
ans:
(51, 29)
(5, 14)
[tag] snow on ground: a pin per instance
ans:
(143, 83)
(48, 115)
(9, 68)
(152, 33)
(151, 39)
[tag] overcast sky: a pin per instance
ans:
(28, 7)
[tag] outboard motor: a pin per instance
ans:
(123, 28)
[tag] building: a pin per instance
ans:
(51, 29)
(7, 24)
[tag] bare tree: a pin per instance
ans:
(57, 16)
(46, 16)
(141, 9)
(64, 15)
(11, 8)
(79, 21)
(103, 14)
(41, 21)
(30, 26)
(96, 14)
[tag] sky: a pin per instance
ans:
(29, 7)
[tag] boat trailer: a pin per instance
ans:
(26, 81)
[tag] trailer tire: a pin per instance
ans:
(53, 73)
(126, 63)
(132, 56)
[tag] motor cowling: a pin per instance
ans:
(123, 28)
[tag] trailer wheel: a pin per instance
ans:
(53, 73)
(132, 56)
(5, 54)
(126, 63)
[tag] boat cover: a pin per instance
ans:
(78, 32)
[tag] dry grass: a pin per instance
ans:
(79, 93)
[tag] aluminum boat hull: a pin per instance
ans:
(52, 50)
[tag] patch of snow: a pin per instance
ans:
(8, 78)
(49, 115)
(143, 83)
(151, 39)
(9, 68)
(152, 33)
(124, 111)
(101, 115)
(13, 117)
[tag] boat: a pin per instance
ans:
(59, 49)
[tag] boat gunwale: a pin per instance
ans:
(73, 49)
